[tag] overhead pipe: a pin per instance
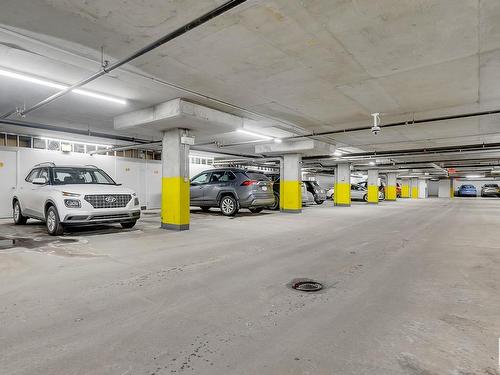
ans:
(62, 129)
(395, 124)
(151, 46)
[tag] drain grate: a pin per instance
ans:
(307, 286)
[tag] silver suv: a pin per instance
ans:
(231, 189)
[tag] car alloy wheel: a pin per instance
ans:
(51, 220)
(16, 212)
(17, 215)
(54, 226)
(228, 206)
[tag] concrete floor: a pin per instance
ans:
(412, 288)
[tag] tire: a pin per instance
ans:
(365, 197)
(256, 210)
(276, 205)
(205, 208)
(318, 201)
(52, 222)
(17, 215)
(228, 205)
(128, 224)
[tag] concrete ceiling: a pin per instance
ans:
(314, 65)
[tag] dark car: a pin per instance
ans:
(231, 189)
(312, 187)
(317, 191)
(490, 190)
(467, 191)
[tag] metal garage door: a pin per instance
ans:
(7, 181)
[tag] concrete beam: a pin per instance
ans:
(307, 147)
(179, 113)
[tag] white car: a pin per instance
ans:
(65, 196)
(358, 192)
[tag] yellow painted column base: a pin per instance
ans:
(373, 194)
(342, 194)
(405, 191)
(414, 193)
(174, 203)
(391, 194)
(290, 196)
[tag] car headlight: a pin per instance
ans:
(66, 194)
(136, 201)
(72, 203)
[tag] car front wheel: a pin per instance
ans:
(17, 215)
(54, 226)
(228, 205)
(318, 201)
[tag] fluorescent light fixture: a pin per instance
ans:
(73, 142)
(474, 176)
(338, 153)
(58, 86)
(254, 134)
(372, 163)
(277, 140)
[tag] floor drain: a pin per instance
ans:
(307, 286)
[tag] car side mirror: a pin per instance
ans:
(40, 181)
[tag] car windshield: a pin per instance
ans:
(467, 187)
(257, 176)
(67, 176)
(491, 185)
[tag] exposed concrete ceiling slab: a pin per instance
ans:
(315, 65)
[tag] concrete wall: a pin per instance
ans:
(144, 176)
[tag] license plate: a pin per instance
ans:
(264, 188)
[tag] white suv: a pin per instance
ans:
(65, 196)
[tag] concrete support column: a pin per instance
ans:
(405, 188)
(372, 186)
(342, 188)
(414, 188)
(391, 194)
(422, 188)
(445, 188)
(291, 184)
(175, 181)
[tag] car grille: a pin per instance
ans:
(116, 216)
(108, 200)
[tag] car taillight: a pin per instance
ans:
(249, 182)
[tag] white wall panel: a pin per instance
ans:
(8, 171)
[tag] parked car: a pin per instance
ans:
(64, 196)
(317, 191)
(358, 192)
(490, 190)
(308, 197)
(467, 191)
(398, 190)
(231, 189)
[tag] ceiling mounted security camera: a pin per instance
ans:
(376, 123)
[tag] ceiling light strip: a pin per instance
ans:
(58, 86)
